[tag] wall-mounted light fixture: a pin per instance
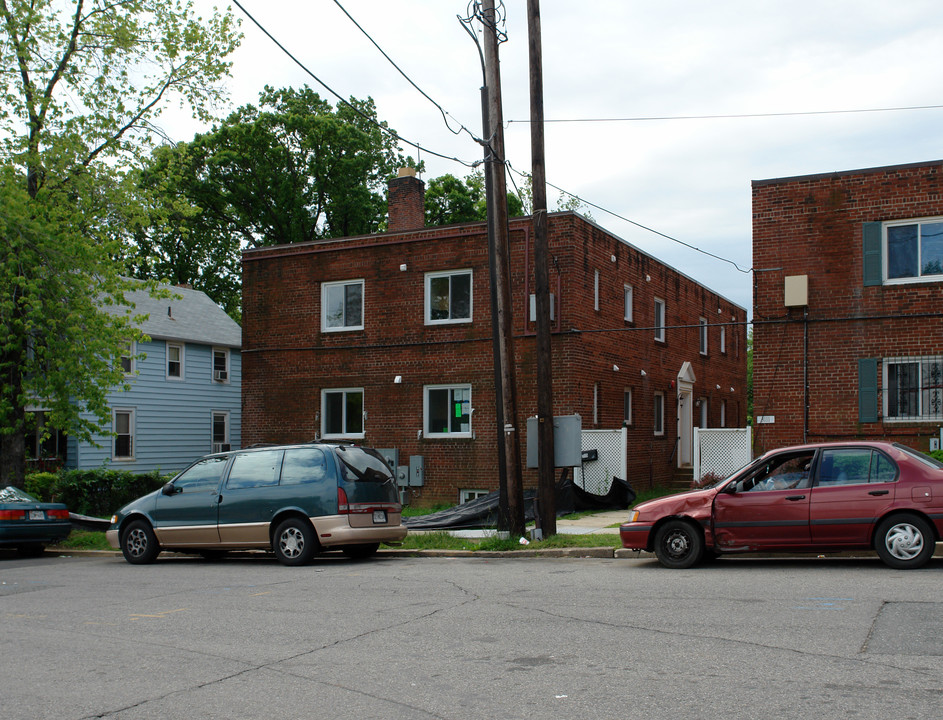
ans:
(402, 267)
(398, 379)
(644, 373)
(718, 387)
(732, 390)
(612, 257)
(615, 368)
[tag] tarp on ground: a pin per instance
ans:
(483, 512)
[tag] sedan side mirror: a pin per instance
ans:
(731, 488)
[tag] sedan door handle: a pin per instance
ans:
(793, 498)
(879, 492)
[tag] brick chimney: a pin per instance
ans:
(406, 201)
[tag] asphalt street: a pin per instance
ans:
(406, 637)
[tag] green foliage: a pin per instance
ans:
(85, 540)
(444, 541)
(450, 200)
(96, 493)
(936, 455)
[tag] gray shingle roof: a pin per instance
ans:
(189, 317)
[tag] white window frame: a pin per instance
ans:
(426, 418)
(182, 361)
(885, 254)
(627, 407)
(467, 495)
(596, 291)
(723, 340)
(344, 413)
(660, 308)
(130, 355)
(702, 335)
(704, 419)
(428, 297)
(224, 445)
(132, 425)
(627, 294)
(723, 413)
(927, 393)
(658, 413)
(326, 287)
(224, 379)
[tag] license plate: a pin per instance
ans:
(379, 516)
(37, 515)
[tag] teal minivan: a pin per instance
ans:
(293, 499)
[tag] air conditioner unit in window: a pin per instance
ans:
(220, 375)
(221, 447)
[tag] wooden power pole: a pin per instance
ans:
(546, 487)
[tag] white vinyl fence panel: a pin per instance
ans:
(595, 476)
(721, 451)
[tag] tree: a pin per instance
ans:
(292, 169)
(450, 200)
(81, 86)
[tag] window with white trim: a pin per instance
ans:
(913, 389)
(703, 419)
(342, 306)
(913, 250)
(702, 335)
(596, 291)
(342, 413)
(627, 408)
(447, 411)
(127, 359)
(659, 322)
(448, 297)
(723, 340)
(221, 365)
(627, 294)
(122, 425)
(658, 413)
(175, 359)
(465, 496)
(220, 423)
(723, 413)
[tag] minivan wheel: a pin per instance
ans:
(678, 544)
(361, 552)
(139, 543)
(294, 542)
(904, 541)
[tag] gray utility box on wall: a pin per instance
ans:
(567, 441)
(417, 470)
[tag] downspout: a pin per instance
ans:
(805, 374)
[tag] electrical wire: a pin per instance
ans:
(341, 99)
(733, 117)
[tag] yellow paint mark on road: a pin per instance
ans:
(267, 592)
(165, 613)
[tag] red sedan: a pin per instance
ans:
(810, 498)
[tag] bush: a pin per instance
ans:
(705, 480)
(936, 455)
(97, 493)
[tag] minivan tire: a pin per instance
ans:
(139, 543)
(294, 542)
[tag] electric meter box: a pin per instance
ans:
(567, 441)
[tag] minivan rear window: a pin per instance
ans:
(363, 465)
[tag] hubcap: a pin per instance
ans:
(904, 541)
(136, 542)
(292, 542)
(677, 544)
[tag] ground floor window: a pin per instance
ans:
(465, 496)
(448, 411)
(913, 388)
(659, 413)
(342, 413)
(221, 432)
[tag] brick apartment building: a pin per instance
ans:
(386, 339)
(848, 306)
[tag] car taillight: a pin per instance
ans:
(12, 514)
(57, 514)
(342, 507)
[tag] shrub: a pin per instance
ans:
(706, 479)
(97, 493)
(41, 485)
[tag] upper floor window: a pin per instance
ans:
(914, 250)
(221, 364)
(448, 411)
(628, 303)
(596, 291)
(342, 413)
(627, 408)
(174, 361)
(342, 306)
(723, 340)
(127, 359)
(449, 297)
(659, 319)
(702, 335)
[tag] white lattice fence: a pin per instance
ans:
(596, 475)
(721, 451)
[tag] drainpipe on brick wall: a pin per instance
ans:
(805, 374)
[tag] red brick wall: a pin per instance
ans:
(813, 226)
(287, 360)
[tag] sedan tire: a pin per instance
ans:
(679, 544)
(904, 541)
(139, 543)
(294, 542)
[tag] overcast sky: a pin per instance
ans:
(686, 178)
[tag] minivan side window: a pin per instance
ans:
(303, 465)
(201, 476)
(256, 469)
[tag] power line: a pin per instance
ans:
(346, 102)
(733, 117)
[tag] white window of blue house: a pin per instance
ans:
(447, 411)
(448, 297)
(220, 421)
(221, 365)
(342, 413)
(127, 359)
(175, 361)
(342, 306)
(122, 427)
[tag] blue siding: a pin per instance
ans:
(173, 418)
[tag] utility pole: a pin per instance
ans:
(546, 486)
(502, 276)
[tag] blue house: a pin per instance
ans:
(184, 399)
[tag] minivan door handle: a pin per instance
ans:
(879, 492)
